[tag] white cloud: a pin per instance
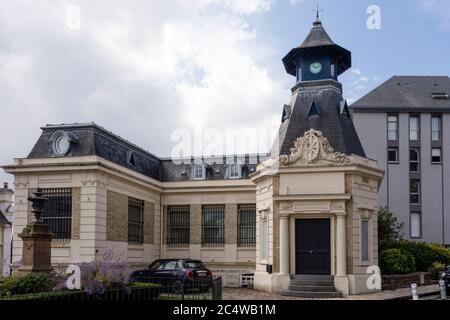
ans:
(141, 69)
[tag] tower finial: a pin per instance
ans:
(318, 10)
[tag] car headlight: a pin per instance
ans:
(443, 274)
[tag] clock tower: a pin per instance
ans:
(318, 57)
(316, 197)
(317, 101)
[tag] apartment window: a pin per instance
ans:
(414, 191)
(135, 220)
(414, 160)
(199, 172)
(235, 171)
(414, 128)
(58, 212)
(264, 246)
(436, 155)
(393, 155)
(247, 225)
(178, 226)
(416, 225)
(213, 225)
(392, 128)
(365, 240)
(436, 128)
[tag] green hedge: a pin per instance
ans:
(394, 261)
(31, 283)
(425, 254)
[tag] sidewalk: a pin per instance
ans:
(250, 294)
(404, 293)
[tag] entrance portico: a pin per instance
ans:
(315, 208)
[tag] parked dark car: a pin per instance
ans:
(446, 277)
(176, 275)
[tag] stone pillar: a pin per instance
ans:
(284, 245)
(37, 239)
(36, 251)
(341, 281)
(341, 260)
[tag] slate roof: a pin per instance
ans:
(338, 128)
(95, 140)
(3, 219)
(406, 93)
(317, 37)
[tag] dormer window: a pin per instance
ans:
(130, 159)
(199, 172)
(62, 142)
(235, 171)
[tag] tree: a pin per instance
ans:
(389, 229)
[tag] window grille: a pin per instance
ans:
(247, 225)
(135, 220)
(178, 226)
(58, 212)
(213, 225)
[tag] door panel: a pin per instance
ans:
(312, 243)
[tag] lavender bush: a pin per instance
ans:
(110, 273)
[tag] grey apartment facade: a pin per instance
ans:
(404, 124)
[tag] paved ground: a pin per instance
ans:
(250, 294)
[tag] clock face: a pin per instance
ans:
(315, 68)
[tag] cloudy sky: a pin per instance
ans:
(145, 69)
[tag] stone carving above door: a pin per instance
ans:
(311, 148)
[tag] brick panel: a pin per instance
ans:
(231, 223)
(117, 217)
(196, 224)
(76, 213)
(149, 222)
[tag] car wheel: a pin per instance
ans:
(178, 287)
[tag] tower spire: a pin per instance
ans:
(317, 11)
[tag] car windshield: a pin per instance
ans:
(193, 265)
(156, 265)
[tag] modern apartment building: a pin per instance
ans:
(404, 124)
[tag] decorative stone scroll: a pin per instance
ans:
(311, 148)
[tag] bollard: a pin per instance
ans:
(443, 290)
(415, 296)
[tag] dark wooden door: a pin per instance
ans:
(312, 244)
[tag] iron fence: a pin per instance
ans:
(141, 290)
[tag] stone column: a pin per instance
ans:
(284, 245)
(341, 263)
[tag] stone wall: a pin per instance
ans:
(392, 282)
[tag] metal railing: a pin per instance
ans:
(141, 289)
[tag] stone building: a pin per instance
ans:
(307, 210)
(6, 219)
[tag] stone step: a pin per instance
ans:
(306, 294)
(312, 277)
(312, 282)
(311, 288)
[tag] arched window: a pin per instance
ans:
(199, 172)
